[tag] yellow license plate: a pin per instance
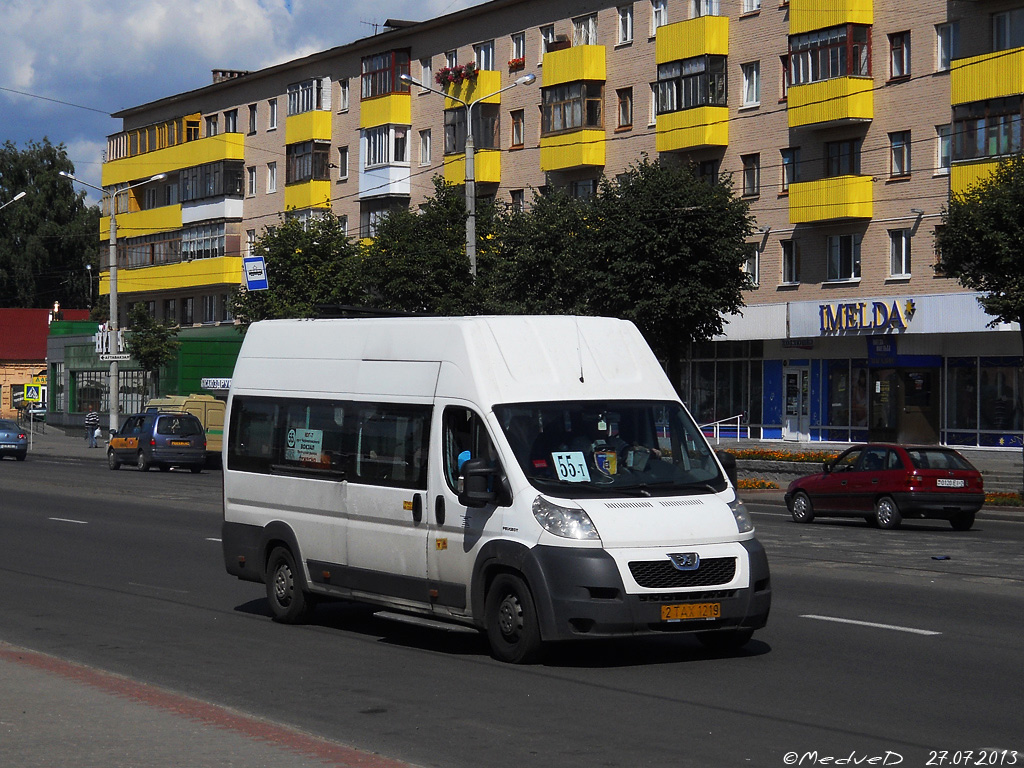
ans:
(691, 611)
(180, 442)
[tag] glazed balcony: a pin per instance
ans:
(694, 37)
(809, 15)
(696, 128)
(837, 101)
(833, 199)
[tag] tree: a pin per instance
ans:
(981, 242)
(153, 344)
(48, 237)
(309, 266)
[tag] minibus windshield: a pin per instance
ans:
(629, 447)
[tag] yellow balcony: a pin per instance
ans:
(486, 167)
(315, 124)
(167, 218)
(808, 15)
(486, 82)
(394, 109)
(308, 194)
(571, 65)
(838, 100)
(693, 129)
(963, 176)
(226, 146)
(223, 270)
(835, 198)
(694, 37)
(990, 76)
(577, 149)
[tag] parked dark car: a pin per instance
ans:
(161, 440)
(13, 440)
(886, 483)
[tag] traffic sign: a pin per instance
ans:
(33, 393)
(255, 273)
(115, 357)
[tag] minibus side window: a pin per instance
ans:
(252, 445)
(464, 433)
(314, 436)
(390, 442)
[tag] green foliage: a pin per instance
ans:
(151, 343)
(49, 236)
(982, 241)
(308, 267)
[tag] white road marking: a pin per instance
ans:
(209, 538)
(66, 520)
(871, 624)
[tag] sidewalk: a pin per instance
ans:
(54, 442)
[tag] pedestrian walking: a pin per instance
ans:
(92, 426)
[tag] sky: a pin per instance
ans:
(66, 65)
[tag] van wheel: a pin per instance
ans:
(962, 521)
(112, 460)
(195, 470)
(141, 462)
(726, 639)
(512, 626)
(887, 514)
(288, 602)
(165, 468)
(803, 510)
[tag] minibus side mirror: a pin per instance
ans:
(728, 462)
(478, 478)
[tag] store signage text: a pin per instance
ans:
(864, 316)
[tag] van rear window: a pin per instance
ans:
(364, 442)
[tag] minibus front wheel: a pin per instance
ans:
(289, 604)
(512, 626)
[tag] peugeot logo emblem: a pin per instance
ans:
(685, 561)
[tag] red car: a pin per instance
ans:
(887, 483)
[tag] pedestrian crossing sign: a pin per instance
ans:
(33, 393)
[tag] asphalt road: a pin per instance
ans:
(874, 649)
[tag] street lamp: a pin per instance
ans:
(13, 199)
(112, 324)
(470, 157)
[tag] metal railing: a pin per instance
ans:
(716, 428)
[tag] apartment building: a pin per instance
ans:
(844, 123)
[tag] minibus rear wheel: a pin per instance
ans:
(289, 604)
(512, 626)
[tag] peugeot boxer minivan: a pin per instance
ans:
(537, 478)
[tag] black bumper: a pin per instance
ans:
(940, 506)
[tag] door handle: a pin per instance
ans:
(417, 508)
(875, 481)
(439, 509)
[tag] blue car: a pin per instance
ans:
(13, 440)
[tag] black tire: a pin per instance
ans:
(803, 509)
(887, 514)
(142, 463)
(195, 470)
(962, 521)
(112, 461)
(512, 626)
(20, 456)
(289, 604)
(165, 468)
(725, 639)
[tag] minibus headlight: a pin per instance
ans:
(739, 511)
(567, 522)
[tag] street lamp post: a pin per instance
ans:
(470, 157)
(112, 326)
(12, 200)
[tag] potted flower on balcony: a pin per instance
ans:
(514, 65)
(455, 75)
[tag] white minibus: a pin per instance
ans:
(536, 478)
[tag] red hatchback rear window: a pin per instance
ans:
(936, 458)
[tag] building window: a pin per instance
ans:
(343, 95)
(226, 177)
(547, 37)
(188, 310)
(170, 311)
(899, 55)
(211, 125)
(790, 262)
(843, 257)
(518, 127)
(749, 6)
(519, 46)
(944, 149)
(485, 128)
(231, 121)
(790, 159)
(707, 171)
(252, 118)
(584, 30)
(250, 241)
(451, 58)
(784, 85)
(625, 30)
(899, 153)
(250, 186)
(381, 74)
(751, 84)
(842, 158)
(271, 177)
(385, 145)
(1008, 30)
(899, 253)
(827, 53)
(518, 198)
(571, 107)
(751, 174)
(584, 189)
(425, 147)
(426, 73)
(624, 97)
(484, 53)
(703, 8)
(307, 96)
(752, 265)
(272, 118)
(342, 163)
(307, 161)
(210, 309)
(696, 82)
(947, 44)
(202, 242)
(989, 128)
(659, 14)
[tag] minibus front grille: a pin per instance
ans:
(662, 574)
